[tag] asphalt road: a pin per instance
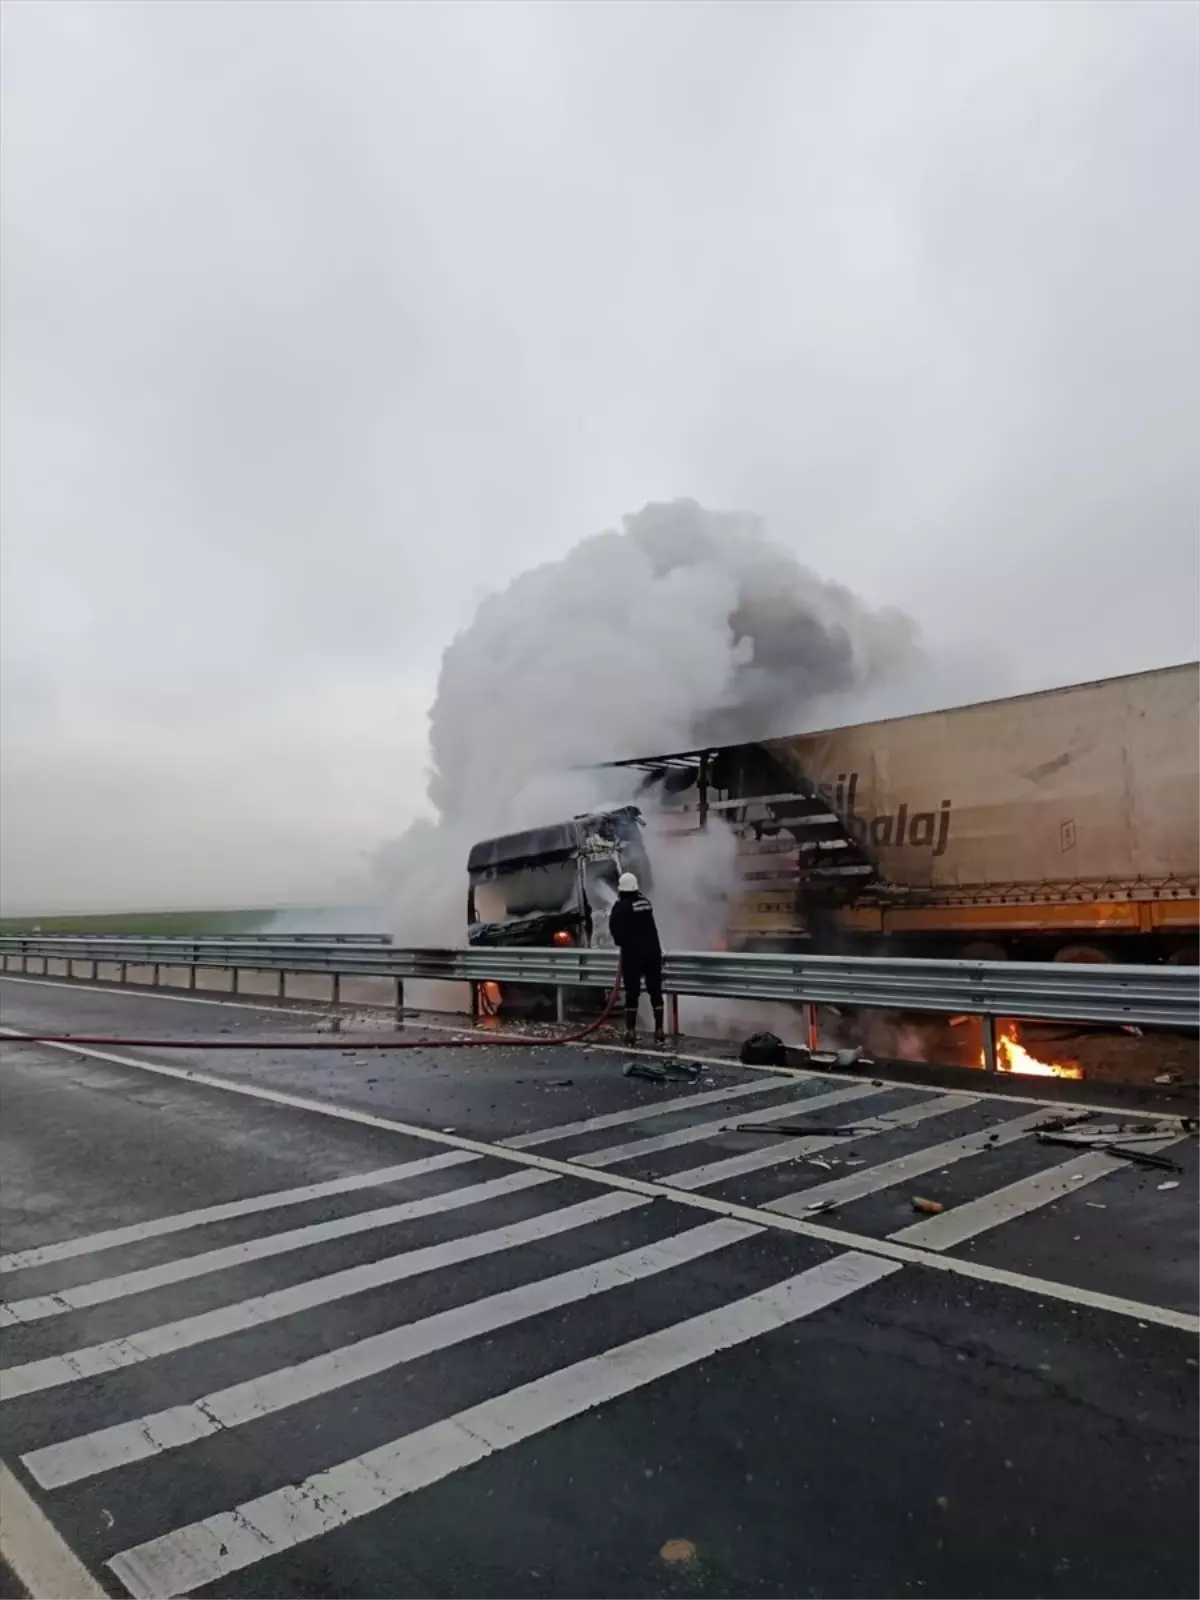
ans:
(506, 1322)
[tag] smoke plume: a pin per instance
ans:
(686, 627)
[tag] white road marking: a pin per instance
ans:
(67, 1462)
(92, 1361)
(888, 1249)
(697, 1132)
(44, 1563)
(91, 1243)
(904, 1168)
(1015, 1199)
(101, 1290)
(654, 1108)
(199, 1554)
(772, 1155)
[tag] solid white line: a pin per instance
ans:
(656, 1108)
(697, 1132)
(90, 1243)
(203, 1552)
(904, 1168)
(1014, 1200)
(888, 1249)
(93, 1361)
(46, 1566)
(772, 1155)
(101, 1290)
(56, 1465)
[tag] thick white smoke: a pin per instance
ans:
(686, 627)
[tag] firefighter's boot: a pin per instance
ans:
(630, 1026)
(660, 1036)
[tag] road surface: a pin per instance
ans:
(506, 1322)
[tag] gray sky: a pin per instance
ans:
(323, 320)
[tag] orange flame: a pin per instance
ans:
(1012, 1056)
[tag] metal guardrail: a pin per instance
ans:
(184, 940)
(1156, 996)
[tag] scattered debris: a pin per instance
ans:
(676, 1550)
(1167, 1077)
(1124, 1146)
(943, 1502)
(929, 1208)
(1171, 1183)
(798, 1127)
(839, 1058)
(1096, 1205)
(817, 1161)
(821, 1205)
(653, 1072)
(561, 1083)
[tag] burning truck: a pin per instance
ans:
(1060, 825)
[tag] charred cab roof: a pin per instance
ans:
(557, 841)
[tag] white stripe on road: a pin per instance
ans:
(699, 1131)
(795, 1149)
(886, 1249)
(42, 1560)
(92, 1361)
(67, 1462)
(1014, 1200)
(89, 1244)
(201, 1553)
(102, 1290)
(869, 1181)
(655, 1108)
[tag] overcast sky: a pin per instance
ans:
(322, 320)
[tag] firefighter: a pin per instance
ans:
(631, 923)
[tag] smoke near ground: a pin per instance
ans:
(686, 626)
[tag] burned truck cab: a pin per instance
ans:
(553, 885)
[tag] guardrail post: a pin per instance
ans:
(989, 1043)
(124, 978)
(236, 975)
(157, 970)
(281, 991)
(560, 1004)
(95, 970)
(399, 1001)
(811, 1028)
(335, 1000)
(194, 970)
(673, 1012)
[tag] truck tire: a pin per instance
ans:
(1089, 954)
(983, 950)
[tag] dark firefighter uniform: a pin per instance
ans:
(631, 923)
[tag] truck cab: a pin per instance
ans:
(553, 885)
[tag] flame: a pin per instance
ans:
(1012, 1056)
(562, 937)
(489, 999)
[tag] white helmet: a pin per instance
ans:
(627, 883)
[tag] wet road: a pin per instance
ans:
(506, 1322)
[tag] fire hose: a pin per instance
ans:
(333, 1042)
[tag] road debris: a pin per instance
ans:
(1125, 1146)
(1171, 1183)
(654, 1072)
(929, 1208)
(783, 1128)
(677, 1550)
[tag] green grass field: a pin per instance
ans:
(150, 923)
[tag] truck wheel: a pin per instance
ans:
(983, 950)
(1091, 954)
